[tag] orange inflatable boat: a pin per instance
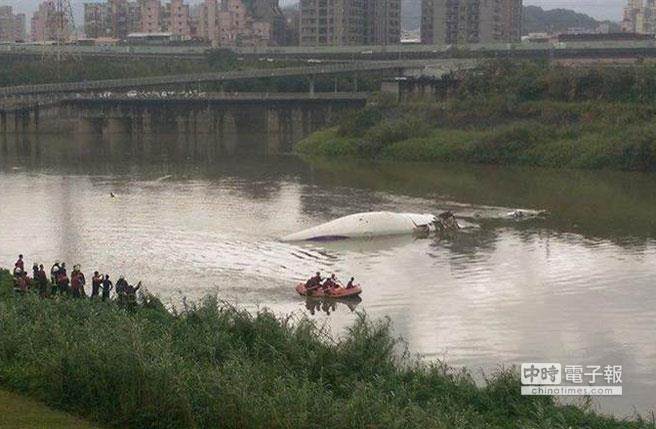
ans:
(339, 293)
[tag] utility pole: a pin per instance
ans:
(64, 25)
(59, 27)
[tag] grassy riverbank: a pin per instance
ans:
(215, 366)
(511, 114)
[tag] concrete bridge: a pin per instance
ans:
(200, 128)
(394, 68)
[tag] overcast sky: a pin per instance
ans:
(600, 9)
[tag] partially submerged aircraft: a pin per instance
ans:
(371, 224)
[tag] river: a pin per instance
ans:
(577, 287)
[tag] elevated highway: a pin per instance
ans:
(561, 50)
(397, 68)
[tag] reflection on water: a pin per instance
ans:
(575, 288)
(328, 306)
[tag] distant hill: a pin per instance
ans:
(536, 19)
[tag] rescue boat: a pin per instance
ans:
(339, 293)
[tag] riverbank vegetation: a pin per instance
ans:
(212, 365)
(502, 113)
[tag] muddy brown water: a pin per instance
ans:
(578, 287)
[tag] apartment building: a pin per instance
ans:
(178, 19)
(269, 11)
(221, 22)
(233, 23)
(20, 27)
(382, 22)
(94, 20)
(48, 24)
(332, 22)
(115, 19)
(349, 22)
(7, 22)
(640, 17)
(471, 21)
(151, 16)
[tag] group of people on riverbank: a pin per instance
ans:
(61, 283)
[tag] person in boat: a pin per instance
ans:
(351, 284)
(331, 283)
(107, 286)
(96, 283)
(314, 283)
(20, 263)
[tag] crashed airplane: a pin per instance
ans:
(373, 224)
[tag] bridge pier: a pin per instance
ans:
(175, 128)
(312, 80)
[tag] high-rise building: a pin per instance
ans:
(12, 27)
(115, 19)
(95, 17)
(269, 11)
(134, 17)
(151, 16)
(349, 22)
(7, 22)
(48, 23)
(471, 21)
(332, 22)
(640, 17)
(20, 27)
(177, 19)
(222, 22)
(233, 23)
(383, 22)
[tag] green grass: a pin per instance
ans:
(19, 412)
(213, 365)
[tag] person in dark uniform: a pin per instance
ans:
(107, 286)
(314, 283)
(41, 280)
